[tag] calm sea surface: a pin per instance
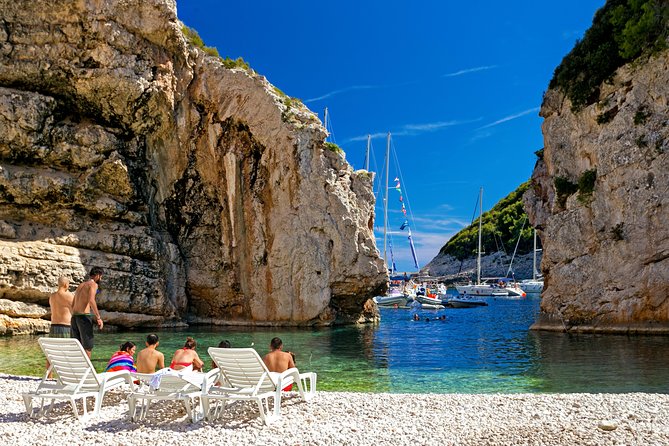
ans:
(477, 350)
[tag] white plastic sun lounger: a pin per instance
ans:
(248, 379)
(170, 385)
(76, 378)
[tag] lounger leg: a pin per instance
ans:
(28, 401)
(98, 403)
(73, 403)
(262, 406)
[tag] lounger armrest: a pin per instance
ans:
(292, 372)
(210, 379)
(106, 376)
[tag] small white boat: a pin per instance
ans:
(481, 289)
(533, 286)
(465, 303)
(394, 298)
(418, 304)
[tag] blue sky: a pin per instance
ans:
(458, 85)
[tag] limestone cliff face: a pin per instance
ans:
(606, 253)
(204, 193)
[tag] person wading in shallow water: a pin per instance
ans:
(84, 303)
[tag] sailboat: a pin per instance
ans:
(499, 288)
(536, 283)
(396, 297)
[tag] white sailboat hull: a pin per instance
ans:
(481, 290)
(532, 286)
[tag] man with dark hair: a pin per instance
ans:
(150, 359)
(84, 302)
(277, 360)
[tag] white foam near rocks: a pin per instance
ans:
(338, 418)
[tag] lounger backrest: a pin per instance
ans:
(242, 367)
(174, 384)
(70, 362)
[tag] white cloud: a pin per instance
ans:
(510, 117)
(414, 129)
(470, 70)
(344, 90)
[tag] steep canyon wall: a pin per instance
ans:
(206, 195)
(600, 200)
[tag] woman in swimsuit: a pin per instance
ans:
(187, 356)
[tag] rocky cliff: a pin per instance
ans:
(204, 192)
(600, 198)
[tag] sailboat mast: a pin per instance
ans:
(369, 143)
(325, 122)
(385, 201)
(534, 257)
(478, 259)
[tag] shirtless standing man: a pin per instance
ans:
(61, 311)
(82, 317)
(149, 359)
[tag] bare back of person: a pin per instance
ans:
(184, 357)
(61, 307)
(278, 361)
(82, 304)
(149, 360)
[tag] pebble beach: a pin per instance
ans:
(338, 418)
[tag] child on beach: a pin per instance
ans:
(150, 359)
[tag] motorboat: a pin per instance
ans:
(482, 289)
(394, 298)
(458, 302)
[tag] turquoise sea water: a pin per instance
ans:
(477, 350)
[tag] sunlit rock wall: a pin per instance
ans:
(205, 193)
(606, 254)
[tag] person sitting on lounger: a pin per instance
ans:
(150, 359)
(277, 360)
(123, 359)
(223, 344)
(187, 356)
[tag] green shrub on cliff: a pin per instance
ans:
(236, 63)
(194, 39)
(500, 226)
(621, 31)
(333, 147)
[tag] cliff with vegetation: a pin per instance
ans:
(206, 194)
(600, 192)
(502, 228)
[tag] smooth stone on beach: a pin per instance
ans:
(607, 425)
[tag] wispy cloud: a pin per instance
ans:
(509, 118)
(401, 84)
(469, 70)
(344, 90)
(414, 129)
